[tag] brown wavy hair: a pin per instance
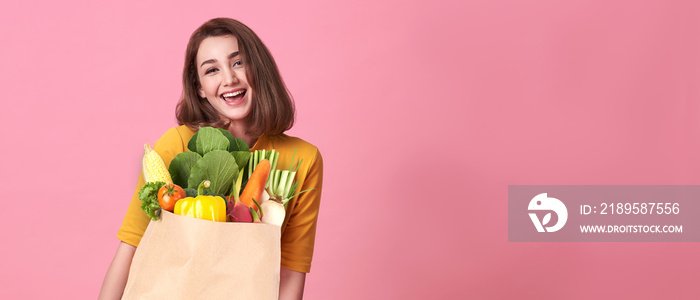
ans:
(272, 110)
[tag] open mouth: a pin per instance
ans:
(233, 97)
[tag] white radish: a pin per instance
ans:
(263, 197)
(273, 212)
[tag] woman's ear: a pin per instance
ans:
(200, 91)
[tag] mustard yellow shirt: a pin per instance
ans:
(299, 227)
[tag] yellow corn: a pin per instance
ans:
(153, 167)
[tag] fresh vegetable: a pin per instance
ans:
(211, 208)
(219, 167)
(153, 166)
(214, 155)
(237, 147)
(149, 198)
(181, 166)
(207, 192)
(235, 210)
(256, 218)
(280, 184)
(191, 192)
(169, 194)
(257, 156)
(256, 184)
(273, 212)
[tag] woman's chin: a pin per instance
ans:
(235, 115)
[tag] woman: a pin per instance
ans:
(231, 81)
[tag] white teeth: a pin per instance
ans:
(234, 94)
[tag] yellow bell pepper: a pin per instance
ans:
(212, 208)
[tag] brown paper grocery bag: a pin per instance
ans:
(182, 257)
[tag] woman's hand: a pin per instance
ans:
(118, 272)
(291, 284)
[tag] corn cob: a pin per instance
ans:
(153, 167)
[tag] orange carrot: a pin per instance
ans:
(256, 184)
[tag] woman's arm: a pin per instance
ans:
(115, 280)
(291, 284)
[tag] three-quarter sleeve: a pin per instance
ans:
(300, 231)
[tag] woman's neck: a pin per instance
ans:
(238, 130)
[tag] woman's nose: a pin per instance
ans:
(230, 77)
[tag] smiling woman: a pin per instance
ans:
(225, 56)
(223, 80)
(231, 81)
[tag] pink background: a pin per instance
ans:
(424, 111)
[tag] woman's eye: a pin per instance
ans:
(237, 63)
(210, 70)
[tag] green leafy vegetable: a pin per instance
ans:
(181, 166)
(210, 139)
(217, 166)
(149, 198)
(221, 170)
(190, 192)
(234, 143)
(192, 144)
(241, 158)
(240, 146)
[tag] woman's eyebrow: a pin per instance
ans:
(211, 61)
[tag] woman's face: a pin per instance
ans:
(222, 74)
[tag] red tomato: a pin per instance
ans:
(169, 194)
